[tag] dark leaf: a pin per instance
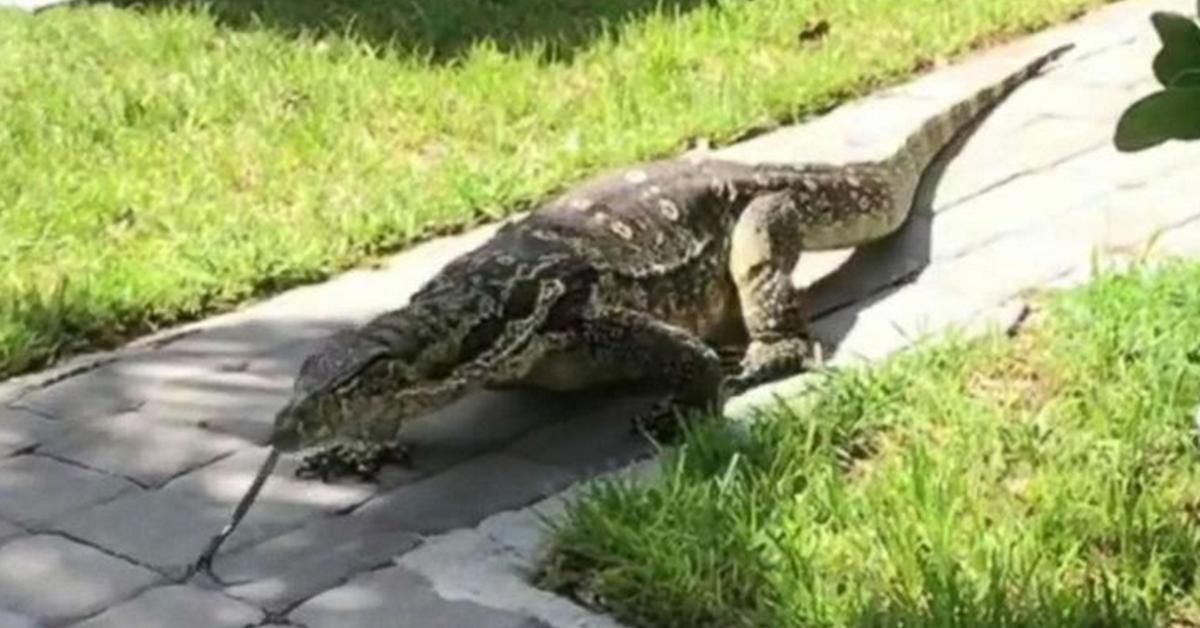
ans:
(814, 31)
(1170, 114)
(1181, 45)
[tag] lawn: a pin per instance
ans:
(1048, 480)
(164, 161)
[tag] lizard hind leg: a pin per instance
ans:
(642, 347)
(767, 241)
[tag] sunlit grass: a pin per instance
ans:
(1050, 480)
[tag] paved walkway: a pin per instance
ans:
(115, 469)
(32, 6)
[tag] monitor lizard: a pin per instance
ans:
(627, 278)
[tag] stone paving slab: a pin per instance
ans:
(8, 531)
(464, 494)
(285, 570)
(53, 580)
(21, 430)
(160, 530)
(242, 404)
(398, 597)
(468, 566)
(13, 620)
(166, 529)
(1012, 156)
(1179, 242)
(148, 453)
(105, 391)
(491, 564)
(1031, 197)
(608, 439)
(482, 423)
(285, 502)
(32, 6)
(177, 606)
(35, 490)
(522, 532)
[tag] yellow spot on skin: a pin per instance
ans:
(621, 229)
(668, 209)
(636, 176)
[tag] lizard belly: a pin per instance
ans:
(572, 369)
(704, 303)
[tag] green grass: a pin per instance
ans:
(1050, 480)
(165, 161)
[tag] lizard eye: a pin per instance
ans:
(337, 363)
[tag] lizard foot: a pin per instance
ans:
(768, 361)
(360, 459)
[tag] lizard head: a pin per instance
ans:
(363, 384)
(327, 391)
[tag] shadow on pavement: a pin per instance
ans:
(876, 270)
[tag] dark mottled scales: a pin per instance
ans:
(361, 459)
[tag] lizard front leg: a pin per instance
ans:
(361, 459)
(766, 245)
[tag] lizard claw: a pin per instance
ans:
(765, 362)
(363, 460)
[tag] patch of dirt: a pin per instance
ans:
(1020, 380)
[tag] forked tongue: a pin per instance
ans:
(204, 563)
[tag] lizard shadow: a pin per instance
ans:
(875, 271)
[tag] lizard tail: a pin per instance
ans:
(922, 147)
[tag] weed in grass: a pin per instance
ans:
(1049, 480)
